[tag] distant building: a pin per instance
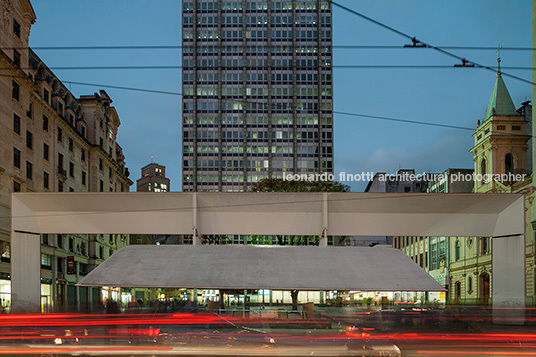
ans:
(526, 111)
(405, 180)
(51, 141)
(452, 181)
(153, 179)
(432, 253)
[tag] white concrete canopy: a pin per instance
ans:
(500, 216)
(367, 214)
(261, 267)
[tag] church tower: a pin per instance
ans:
(500, 140)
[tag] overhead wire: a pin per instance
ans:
(175, 47)
(399, 120)
(426, 45)
(360, 115)
(358, 66)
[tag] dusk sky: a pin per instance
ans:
(151, 123)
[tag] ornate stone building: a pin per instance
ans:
(502, 165)
(51, 141)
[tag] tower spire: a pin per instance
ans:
(500, 102)
(499, 59)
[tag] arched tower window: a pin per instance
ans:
(483, 170)
(508, 163)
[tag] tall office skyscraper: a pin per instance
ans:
(257, 91)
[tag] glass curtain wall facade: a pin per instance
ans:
(257, 91)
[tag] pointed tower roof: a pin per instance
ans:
(500, 102)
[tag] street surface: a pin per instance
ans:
(343, 331)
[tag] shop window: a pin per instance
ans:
(46, 262)
(6, 255)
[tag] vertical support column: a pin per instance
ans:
(324, 238)
(533, 163)
(25, 272)
(195, 237)
(90, 297)
(245, 302)
(508, 279)
(533, 96)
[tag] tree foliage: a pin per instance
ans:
(280, 185)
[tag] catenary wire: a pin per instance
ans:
(399, 120)
(427, 45)
(175, 47)
(363, 66)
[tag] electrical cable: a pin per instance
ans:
(399, 120)
(424, 44)
(175, 47)
(363, 66)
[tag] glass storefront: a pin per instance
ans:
(5, 295)
(46, 297)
